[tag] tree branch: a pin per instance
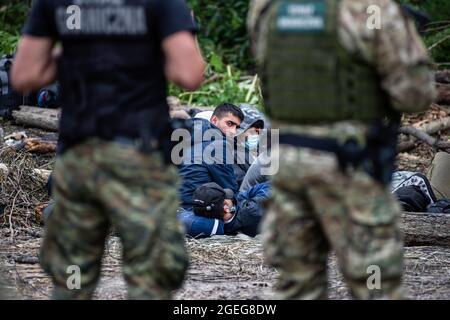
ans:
(421, 135)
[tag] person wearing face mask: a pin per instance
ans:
(218, 211)
(247, 140)
(252, 140)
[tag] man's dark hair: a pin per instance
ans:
(217, 213)
(259, 124)
(208, 200)
(225, 108)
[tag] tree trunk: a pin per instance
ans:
(422, 229)
(436, 126)
(47, 119)
(443, 94)
(443, 76)
(422, 135)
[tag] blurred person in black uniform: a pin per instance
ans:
(113, 65)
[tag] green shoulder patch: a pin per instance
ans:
(303, 17)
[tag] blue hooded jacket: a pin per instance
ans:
(249, 211)
(200, 227)
(196, 171)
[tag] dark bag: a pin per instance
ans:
(421, 181)
(412, 199)
(48, 97)
(440, 206)
(10, 99)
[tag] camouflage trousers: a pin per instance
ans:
(315, 209)
(100, 184)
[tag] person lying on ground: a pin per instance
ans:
(217, 211)
(198, 168)
(418, 192)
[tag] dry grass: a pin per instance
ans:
(419, 158)
(22, 190)
(220, 267)
(218, 271)
(232, 257)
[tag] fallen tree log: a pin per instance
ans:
(39, 146)
(422, 135)
(24, 259)
(443, 76)
(436, 126)
(405, 146)
(47, 119)
(421, 229)
(443, 96)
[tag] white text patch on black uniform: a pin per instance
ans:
(101, 17)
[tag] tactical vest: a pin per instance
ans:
(307, 76)
(88, 110)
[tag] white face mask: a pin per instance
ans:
(252, 142)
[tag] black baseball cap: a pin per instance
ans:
(209, 198)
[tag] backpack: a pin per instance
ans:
(48, 97)
(9, 98)
(412, 198)
(440, 206)
(403, 179)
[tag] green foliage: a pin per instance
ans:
(437, 33)
(8, 42)
(439, 44)
(12, 16)
(438, 10)
(225, 44)
(224, 40)
(223, 30)
(224, 84)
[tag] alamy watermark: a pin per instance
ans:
(374, 280)
(101, 17)
(118, 18)
(73, 21)
(74, 279)
(374, 19)
(210, 146)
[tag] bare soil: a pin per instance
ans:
(221, 267)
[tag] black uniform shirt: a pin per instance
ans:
(112, 69)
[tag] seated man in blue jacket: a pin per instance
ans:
(216, 211)
(198, 169)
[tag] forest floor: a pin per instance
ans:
(221, 267)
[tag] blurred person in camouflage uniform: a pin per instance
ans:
(112, 167)
(335, 87)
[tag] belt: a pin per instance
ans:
(138, 143)
(348, 153)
